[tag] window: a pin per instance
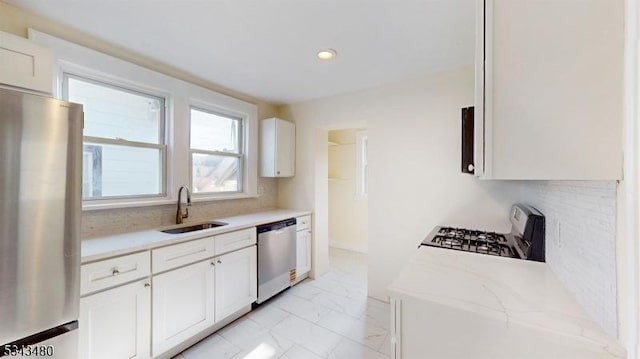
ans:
(362, 169)
(137, 149)
(216, 152)
(124, 146)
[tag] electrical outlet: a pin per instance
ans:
(557, 233)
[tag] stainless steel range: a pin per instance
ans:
(525, 241)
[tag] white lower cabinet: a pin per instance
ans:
(183, 304)
(303, 253)
(235, 281)
(154, 303)
(116, 323)
(303, 247)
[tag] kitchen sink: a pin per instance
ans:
(194, 227)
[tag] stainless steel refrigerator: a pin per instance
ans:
(40, 207)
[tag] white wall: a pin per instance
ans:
(584, 258)
(348, 212)
(414, 167)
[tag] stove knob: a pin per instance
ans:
(471, 167)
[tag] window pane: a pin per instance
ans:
(215, 173)
(211, 132)
(111, 112)
(112, 170)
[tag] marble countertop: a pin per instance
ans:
(120, 244)
(515, 291)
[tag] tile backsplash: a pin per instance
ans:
(581, 241)
(114, 221)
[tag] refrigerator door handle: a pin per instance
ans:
(42, 336)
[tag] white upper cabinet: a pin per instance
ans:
(25, 64)
(549, 89)
(278, 148)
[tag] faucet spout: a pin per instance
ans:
(180, 214)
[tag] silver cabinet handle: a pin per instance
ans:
(471, 167)
(115, 272)
(219, 261)
(213, 263)
(147, 285)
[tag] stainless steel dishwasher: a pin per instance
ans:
(276, 257)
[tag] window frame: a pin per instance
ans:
(242, 139)
(180, 94)
(362, 165)
(109, 82)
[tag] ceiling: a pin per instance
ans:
(267, 48)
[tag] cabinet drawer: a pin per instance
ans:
(235, 240)
(181, 254)
(112, 272)
(303, 222)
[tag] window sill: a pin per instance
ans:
(222, 197)
(98, 205)
(162, 201)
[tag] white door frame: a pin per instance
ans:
(629, 253)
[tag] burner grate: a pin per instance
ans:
(472, 241)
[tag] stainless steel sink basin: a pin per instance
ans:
(194, 227)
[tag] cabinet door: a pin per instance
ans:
(182, 304)
(236, 281)
(116, 323)
(285, 148)
(303, 252)
(552, 92)
(25, 64)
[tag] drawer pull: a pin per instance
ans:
(219, 261)
(115, 272)
(147, 285)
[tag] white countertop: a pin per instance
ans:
(515, 291)
(111, 246)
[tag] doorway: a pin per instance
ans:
(348, 189)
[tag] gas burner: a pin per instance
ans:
(451, 242)
(489, 237)
(490, 248)
(452, 232)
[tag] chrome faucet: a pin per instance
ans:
(180, 215)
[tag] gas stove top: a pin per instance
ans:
(525, 241)
(471, 241)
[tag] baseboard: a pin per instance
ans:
(354, 247)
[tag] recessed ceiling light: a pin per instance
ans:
(326, 54)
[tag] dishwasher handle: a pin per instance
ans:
(276, 226)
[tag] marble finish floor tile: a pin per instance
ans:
(308, 335)
(348, 349)
(355, 329)
(214, 346)
(298, 352)
(301, 307)
(330, 317)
